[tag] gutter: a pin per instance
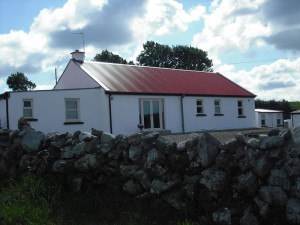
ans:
(110, 116)
(182, 113)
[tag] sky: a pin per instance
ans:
(254, 43)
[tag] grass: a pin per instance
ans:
(34, 201)
(295, 105)
(28, 201)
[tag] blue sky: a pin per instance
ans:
(255, 43)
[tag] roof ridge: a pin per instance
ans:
(154, 67)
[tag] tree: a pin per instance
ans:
(19, 82)
(177, 57)
(109, 57)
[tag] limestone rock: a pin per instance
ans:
(263, 166)
(207, 149)
(32, 141)
(63, 166)
(249, 218)
(293, 211)
(271, 142)
(88, 162)
(214, 179)
(273, 195)
(296, 134)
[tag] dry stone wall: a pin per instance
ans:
(243, 181)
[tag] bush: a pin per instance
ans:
(28, 201)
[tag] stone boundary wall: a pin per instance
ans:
(243, 181)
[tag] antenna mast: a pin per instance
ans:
(82, 35)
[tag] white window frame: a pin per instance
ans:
(240, 107)
(77, 109)
(217, 107)
(199, 107)
(28, 107)
(279, 119)
(161, 112)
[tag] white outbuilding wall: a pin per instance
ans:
(295, 117)
(269, 118)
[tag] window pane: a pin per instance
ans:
(217, 102)
(240, 111)
(72, 115)
(71, 104)
(27, 104)
(240, 104)
(156, 121)
(199, 106)
(278, 121)
(217, 110)
(199, 110)
(27, 113)
(146, 108)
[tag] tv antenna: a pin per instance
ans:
(82, 35)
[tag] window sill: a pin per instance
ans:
(241, 116)
(73, 123)
(201, 114)
(218, 114)
(31, 119)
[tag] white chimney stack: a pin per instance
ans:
(78, 56)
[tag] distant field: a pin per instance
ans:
(295, 105)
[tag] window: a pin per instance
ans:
(217, 104)
(27, 108)
(199, 106)
(72, 110)
(151, 113)
(240, 108)
(263, 120)
(279, 123)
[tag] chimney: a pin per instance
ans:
(78, 56)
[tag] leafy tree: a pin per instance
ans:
(178, 57)
(109, 57)
(157, 55)
(19, 82)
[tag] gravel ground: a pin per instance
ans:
(223, 136)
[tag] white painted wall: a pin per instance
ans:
(125, 113)
(270, 119)
(295, 119)
(229, 109)
(73, 77)
(49, 109)
(3, 113)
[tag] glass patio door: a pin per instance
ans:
(152, 113)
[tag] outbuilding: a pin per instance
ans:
(269, 118)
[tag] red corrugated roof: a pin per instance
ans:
(133, 79)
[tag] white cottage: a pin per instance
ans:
(295, 118)
(119, 98)
(269, 118)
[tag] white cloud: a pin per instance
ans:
(232, 26)
(278, 80)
